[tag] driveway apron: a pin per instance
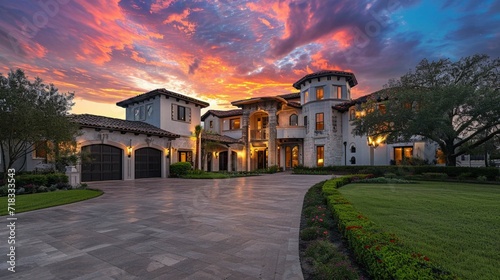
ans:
(239, 228)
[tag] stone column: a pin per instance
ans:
(229, 157)
(273, 133)
(245, 122)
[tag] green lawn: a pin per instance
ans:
(456, 225)
(29, 202)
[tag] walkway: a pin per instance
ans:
(241, 228)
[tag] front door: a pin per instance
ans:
(262, 159)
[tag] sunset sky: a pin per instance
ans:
(220, 51)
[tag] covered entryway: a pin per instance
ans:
(147, 163)
(105, 163)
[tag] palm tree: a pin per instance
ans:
(197, 133)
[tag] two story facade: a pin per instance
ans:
(310, 127)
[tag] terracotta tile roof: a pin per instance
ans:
(218, 138)
(294, 104)
(380, 95)
(325, 73)
(222, 113)
(164, 92)
(289, 96)
(94, 121)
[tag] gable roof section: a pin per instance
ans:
(161, 92)
(351, 79)
(222, 113)
(100, 122)
(218, 138)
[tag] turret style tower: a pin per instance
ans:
(319, 91)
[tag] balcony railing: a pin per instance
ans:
(259, 134)
(291, 132)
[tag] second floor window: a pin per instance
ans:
(294, 120)
(234, 124)
(181, 113)
(211, 124)
(319, 93)
(320, 123)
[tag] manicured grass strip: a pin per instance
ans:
(456, 225)
(381, 253)
(30, 202)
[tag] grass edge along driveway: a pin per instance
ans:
(454, 224)
(30, 202)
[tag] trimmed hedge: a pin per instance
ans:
(383, 256)
(40, 179)
(452, 171)
(179, 169)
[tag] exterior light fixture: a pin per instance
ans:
(375, 141)
(129, 148)
(216, 154)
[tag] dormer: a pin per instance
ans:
(223, 122)
(326, 85)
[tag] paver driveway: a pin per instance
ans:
(241, 228)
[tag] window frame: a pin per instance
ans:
(320, 156)
(319, 90)
(320, 124)
(232, 122)
(294, 122)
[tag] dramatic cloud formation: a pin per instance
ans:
(219, 51)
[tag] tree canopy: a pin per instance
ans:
(455, 104)
(32, 113)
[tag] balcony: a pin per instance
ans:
(259, 134)
(291, 132)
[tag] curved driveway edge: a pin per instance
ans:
(240, 228)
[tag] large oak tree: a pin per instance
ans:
(32, 113)
(456, 104)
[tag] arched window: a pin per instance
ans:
(353, 149)
(352, 114)
(294, 120)
(353, 160)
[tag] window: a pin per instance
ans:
(319, 93)
(294, 120)
(306, 96)
(339, 92)
(40, 150)
(181, 113)
(334, 123)
(211, 124)
(234, 123)
(305, 122)
(402, 153)
(320, 123)
(352, 114)
(139, 113)
(186, 156)
(149, 110)
(353, 149)
(353, 160)
(320, 155)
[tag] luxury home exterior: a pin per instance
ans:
(310, 127)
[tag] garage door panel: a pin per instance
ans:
(105, 163)
(147, 163)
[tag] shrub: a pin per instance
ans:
(179, 169)
(482, 178)
(30, 188)
(63, 186)
(384, 180)
(390, 175)
(35, 179)
(55, 178)
(53, 188)
(379, 252)
(313, 233)
(435, 175)
(42, 189)
(20, 190)
(465, 175)
(4, 190)
(273, 169)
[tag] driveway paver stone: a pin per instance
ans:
(239, 228)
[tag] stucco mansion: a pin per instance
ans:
(310, 127)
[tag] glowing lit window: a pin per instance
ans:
(319, 93)
(234, 124)
(339, 92)
(320, 123)
(320, 155)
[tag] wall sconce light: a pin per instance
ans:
(129, 151)
(216, 154)
(167, 153)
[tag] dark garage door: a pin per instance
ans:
(105, 163)
(147, 163)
